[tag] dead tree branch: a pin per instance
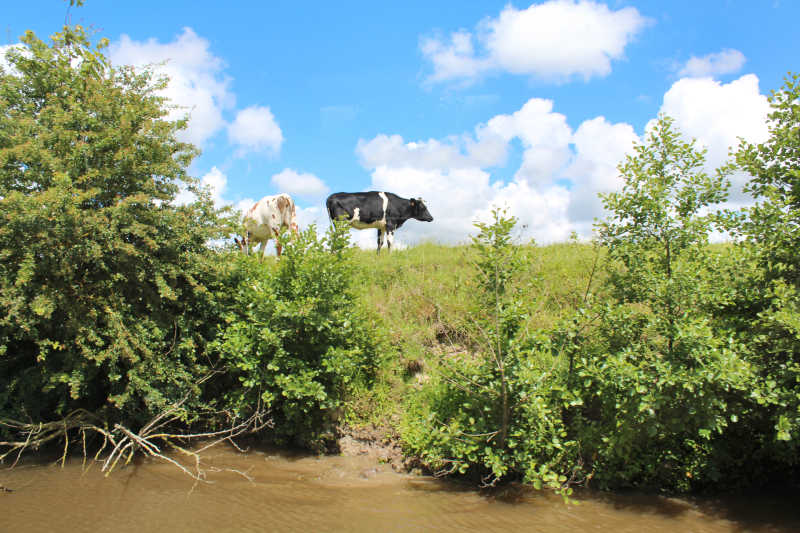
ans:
(152, 440)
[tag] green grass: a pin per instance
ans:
(425, 296)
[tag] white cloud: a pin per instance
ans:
(4, 49)
(197, 85)
(244, 205)
(725, 62)
(454, 60)
(392, 150)
(545, 137)
(555, 41)
(255, 129)
(215, 181)
(599, 147)
(304, 185)
(554, 189)
(451, 176)
(316, 215)
(458, 197)
(717, 114)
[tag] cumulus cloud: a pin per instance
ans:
(452, 176)
(454, 59)
(544, 134)
(4, 49)
(197, 85)
(392, 150)
(599, 146)
(554, 41)
(554, 190)
(244, 205)
(458, 197)
(215, 181)
(304, 185)
(717, 115)
(256, 130)
(727, 61)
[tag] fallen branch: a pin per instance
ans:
(124, 443)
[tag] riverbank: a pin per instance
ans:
(422, 360)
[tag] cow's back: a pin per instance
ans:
(365, 206)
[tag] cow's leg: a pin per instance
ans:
(276, 233)
(381, 236)
(262, 249)
(389, 240)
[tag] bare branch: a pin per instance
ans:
(126, 443)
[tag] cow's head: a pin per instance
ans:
(419, 211)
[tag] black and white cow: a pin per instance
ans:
(383, 211)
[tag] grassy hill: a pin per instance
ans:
(425, 297)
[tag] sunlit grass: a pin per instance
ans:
(425, 295)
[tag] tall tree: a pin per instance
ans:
(658, 225)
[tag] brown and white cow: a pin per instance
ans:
(265, 220)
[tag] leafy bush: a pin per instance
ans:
(764, 303)
(106, 286)
(658, 381)
(495, 413)
(297, 340)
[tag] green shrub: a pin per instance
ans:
(106, 287)
(764, 295)
(297, 341)
(495, 413)
(659, 383)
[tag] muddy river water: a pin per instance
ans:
(287, 492)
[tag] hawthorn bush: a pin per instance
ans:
(297, 341)
(108, 290)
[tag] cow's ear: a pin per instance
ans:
(412, 202)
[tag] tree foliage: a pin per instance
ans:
(495, 413)
(297, 341)
(104, 281)
(767, 300)
(113, 303)
(657, 377)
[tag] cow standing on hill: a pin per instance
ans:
(265, 220)
(383, 211)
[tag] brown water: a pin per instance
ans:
(301, 493)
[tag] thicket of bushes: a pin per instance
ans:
(296, 340)
(680, 372)
(654, 360)
(112, 303)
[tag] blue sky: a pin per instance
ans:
(466, 104)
